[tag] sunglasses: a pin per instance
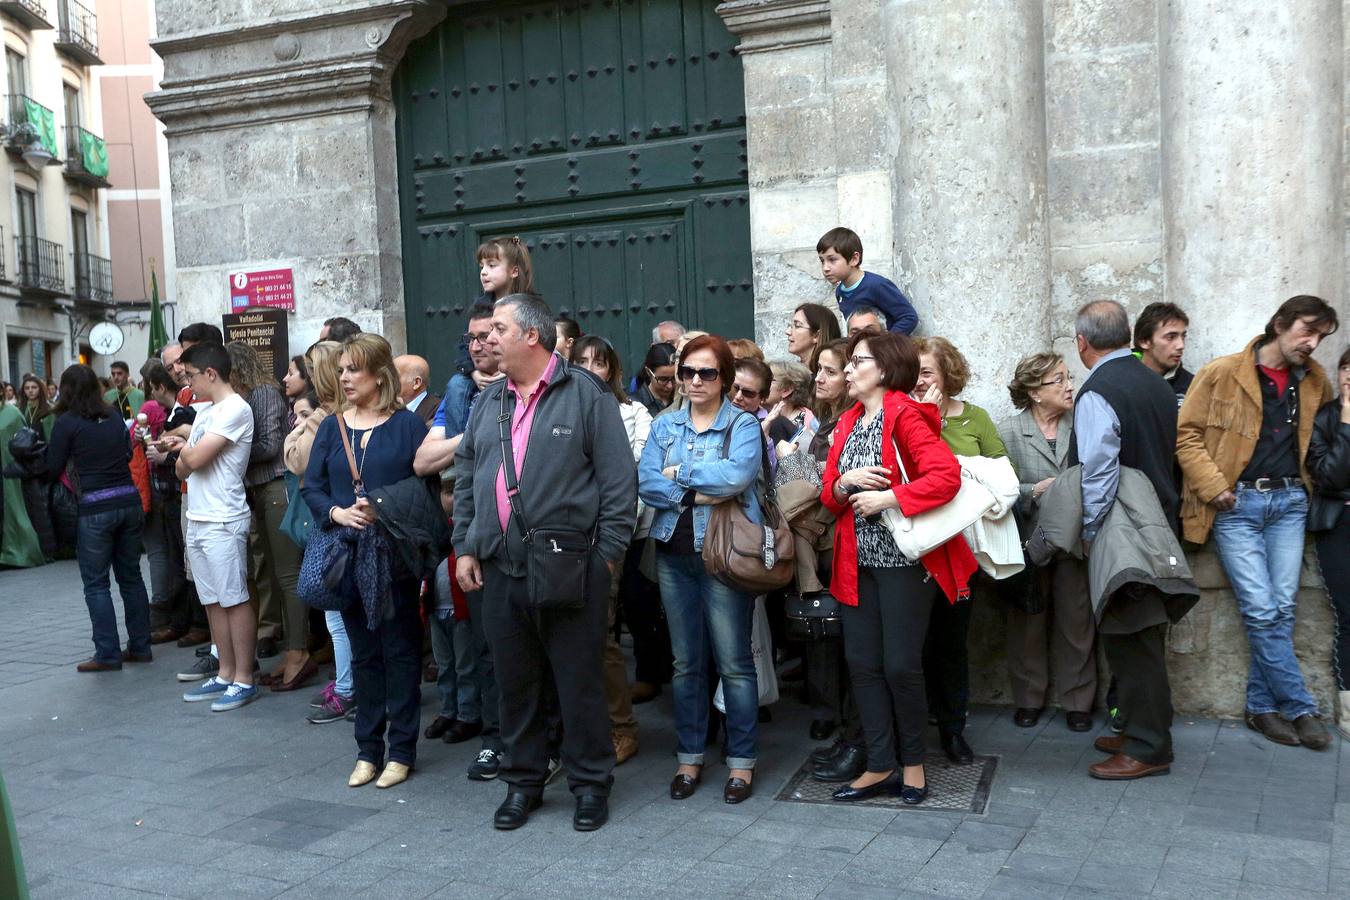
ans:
(687, 373)
(747, 393)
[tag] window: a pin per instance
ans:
(17, 72)
(27, 222)
(79, 244)
(72, 98)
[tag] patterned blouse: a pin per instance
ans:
(862, 447)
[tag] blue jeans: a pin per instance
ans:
(342, 653)
(456, 656)
(703, 612)
(112, 539)
(1260, 543)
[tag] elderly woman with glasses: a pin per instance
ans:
(1050, 625)
(705, 453)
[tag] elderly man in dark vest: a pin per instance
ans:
(1126, 415)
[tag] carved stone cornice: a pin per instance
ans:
(290, 67)
(776, 24)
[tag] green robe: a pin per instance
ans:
(46, 422)
(12, 881)
(19, 542)
(134, 398)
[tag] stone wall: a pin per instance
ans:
(1207, 651)
(282, 154)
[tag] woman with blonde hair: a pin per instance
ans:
(384, 626)
(744, 348)
(337, 701)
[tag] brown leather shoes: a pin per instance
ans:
(645, 691)
(307, 671)
(194, 637)
(1311, 732)
(93, 665)
(164, 635)
(1274, 727)
(682, 786)
(625, 747)
(736, 790)
(129, 657)
(1112, 743)
(1125, 768)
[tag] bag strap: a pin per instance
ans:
(904, 476)
(509, 467)
(357, 484)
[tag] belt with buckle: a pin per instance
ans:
(1266, 485)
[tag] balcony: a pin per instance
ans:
(30, 13)
(30, 131)
(93, 279)
(86, 158)
(77, 35)
(42, 266)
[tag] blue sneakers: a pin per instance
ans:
(234, 697)
(209, 689)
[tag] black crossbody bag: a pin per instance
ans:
(557, 560)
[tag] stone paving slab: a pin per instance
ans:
(123, 791)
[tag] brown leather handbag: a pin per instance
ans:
(739, 553)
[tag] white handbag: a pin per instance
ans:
(916, 536)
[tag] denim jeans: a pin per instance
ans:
(342, 653)
(163, 539)
(1260, 543)
(456, 656)
(703, 613)
(112, 539)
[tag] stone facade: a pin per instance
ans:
(1003, 162)
(281, 152)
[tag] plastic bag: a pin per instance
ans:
(761, 651)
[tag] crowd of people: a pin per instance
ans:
(496, 539)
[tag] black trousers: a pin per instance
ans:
(883, 643)
(1139, 663)
(1334, 560)
(489, 695)
(829, 689)
(528, 645)
(387, 671)
(653, 661)
(946, 662)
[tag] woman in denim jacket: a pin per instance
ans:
(687, 467)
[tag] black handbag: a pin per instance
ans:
(813, 616)
(325, 580)
(557, 560)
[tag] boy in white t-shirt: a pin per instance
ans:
(212, 462)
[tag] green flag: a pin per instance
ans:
(95, 154)
(158, 335)
(43, 122)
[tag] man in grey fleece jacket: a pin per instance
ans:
(575, 470)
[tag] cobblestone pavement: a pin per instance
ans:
(122, 790)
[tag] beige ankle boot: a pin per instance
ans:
(1343, 714)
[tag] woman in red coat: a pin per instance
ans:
(887, 597)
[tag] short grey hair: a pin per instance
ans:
(1104, 324)
(656, 331)
(530, 311)
(168, 346)
(865, 309)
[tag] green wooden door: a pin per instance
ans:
(609, 135)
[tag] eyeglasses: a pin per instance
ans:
(687, 373)
(660, 379)
(470, 337)
(745, 392)
(1058, 382)
(798, 326)
(856, 361)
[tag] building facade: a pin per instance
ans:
(56, 279)
(1003, 162)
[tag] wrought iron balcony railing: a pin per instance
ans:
(93, 278)
(77, 34)
(86, 157)
(41, 265)
(30, 12)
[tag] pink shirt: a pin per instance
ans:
(522, 417)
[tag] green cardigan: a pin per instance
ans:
(973, 433)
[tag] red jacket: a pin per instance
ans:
(935, 477)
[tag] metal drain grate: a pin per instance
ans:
(951, 787)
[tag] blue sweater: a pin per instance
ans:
(880, 292)
(392, 446)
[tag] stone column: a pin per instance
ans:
(1252, 122)
(282, 154)
(967, 83)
